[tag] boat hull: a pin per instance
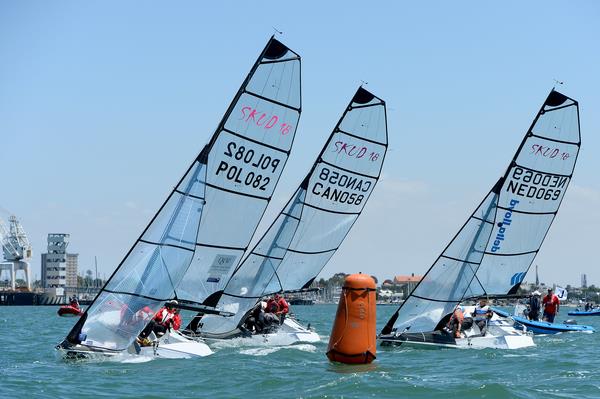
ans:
(501, 334)
(69, 311)
(289, 333)
(429, 341)
(544, 327)
(171, 346)
(584, 313)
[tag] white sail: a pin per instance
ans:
(493, 251)
(317, 218)
(198, 236)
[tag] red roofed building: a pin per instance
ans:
(407, 283)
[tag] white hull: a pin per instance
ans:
(290, 332)
(500, 334)
(172, 345)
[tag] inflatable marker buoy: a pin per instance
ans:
(353, 337)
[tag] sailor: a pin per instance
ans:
(255, 321)
(272, 306)
(551, 306)
(456, 321)
(164, 320)
(282, 307)
(482, 314)
(73, 302)
(534, 306)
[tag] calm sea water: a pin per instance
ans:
(561, 366)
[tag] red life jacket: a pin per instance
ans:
(272, 306)
(283, 305)
(164, 318)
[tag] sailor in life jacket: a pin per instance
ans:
(73, 302)
(482, 314)
(164, 320)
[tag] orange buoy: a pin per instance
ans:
(353, 337)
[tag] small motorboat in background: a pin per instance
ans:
(70, 310)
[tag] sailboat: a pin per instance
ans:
(494, 249)
(309, 229)
(196, 239)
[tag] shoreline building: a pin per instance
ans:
(59, 268)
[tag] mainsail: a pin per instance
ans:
(493, 251)
(317, 218)
(197, 238)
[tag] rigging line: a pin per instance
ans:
(221, 246)
(460, 260)
(542, 172)
(271, 100)
(512, 254)
(481, 219)
(190, 195)
(296, 58)
(321, 160)
(237, 192)
(435, 300)
(560, 107)
(159, 244)
(312, 252)
(291, 216)
(330, 210)
(526, 212)
(267, 256)
(575, 143)
(337, 129)
(352, 107)
(256, 141)
(137, 295)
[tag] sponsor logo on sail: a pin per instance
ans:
(517, 278)
(503, 225)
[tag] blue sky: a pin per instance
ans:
(103, 105)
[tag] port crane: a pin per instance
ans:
(17, 251)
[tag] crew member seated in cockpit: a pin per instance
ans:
(482, 314)
(164, 320)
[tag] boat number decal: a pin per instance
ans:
(527, 183)
(252, 166)
(549, 152)
(354, 151)
(220, 267)
(503, 225)
(336, 186)
(252, 116)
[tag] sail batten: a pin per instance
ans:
(502, 241)
(197, 237)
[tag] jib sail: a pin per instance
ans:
(195, 241)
